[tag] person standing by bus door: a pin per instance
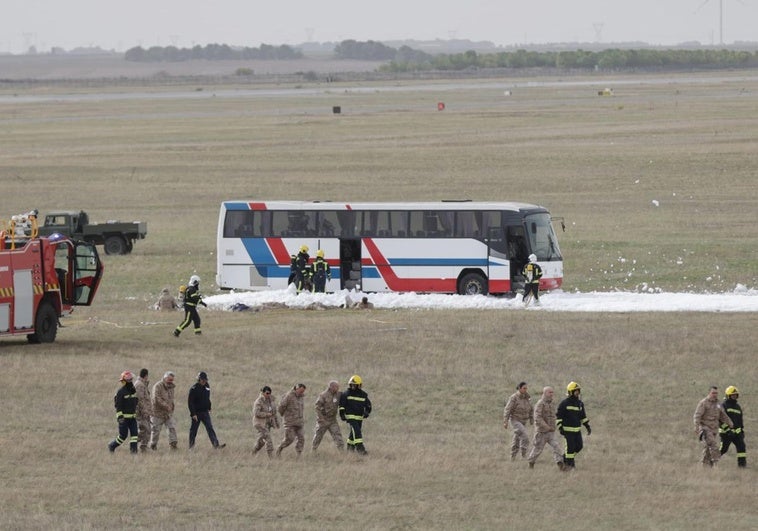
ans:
(192, 298)
(321, 272)
(302, 268)
(532, 274)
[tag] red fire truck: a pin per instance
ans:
(42, 279)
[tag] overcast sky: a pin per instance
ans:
(184, 23)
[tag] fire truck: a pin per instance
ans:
(42, 279)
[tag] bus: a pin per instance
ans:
(463, 247)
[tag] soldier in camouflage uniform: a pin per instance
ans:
(264, 418)
(327, 406)
(144, 409)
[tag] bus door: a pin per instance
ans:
(350, 263)
(517, 251)
(496, 248)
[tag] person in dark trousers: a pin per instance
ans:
(192, 298)
(736, 434)
(302, 268)
(321, 272)
(125, 402)
(532, 274)
(293, 269)
(354, 407)
(199, 403)
(570, 418)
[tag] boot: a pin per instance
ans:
(172, 445)
(561, 466)
(279, 452)
(112, 446)
(531, 465)
(154, 446)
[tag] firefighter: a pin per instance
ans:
(570, 418)
(192, 298)
(532, 274)
(302, 268)
(709, 415)
(518, 411)
(736, 434)
(321, 272)
(354, 407)
(125, 402)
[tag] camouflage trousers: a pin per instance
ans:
(264, 439)
(540, 440)
(334, 430)
(155, 432)
(520, 440)
(711, 447)
(144, 428)
(292, 434)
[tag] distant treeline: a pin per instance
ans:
(210, 52)
(612, 59)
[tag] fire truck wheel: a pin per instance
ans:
(115, 245)
(45, 325)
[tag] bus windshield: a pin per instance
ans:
(542, 239)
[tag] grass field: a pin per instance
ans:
(438, 379)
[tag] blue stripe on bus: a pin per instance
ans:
(237, 206)
(481, 262)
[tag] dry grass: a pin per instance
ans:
(438, 378)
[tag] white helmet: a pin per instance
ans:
(532, 257)
(194, 280)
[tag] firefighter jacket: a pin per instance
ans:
(710, 415)
(163, 399)
(519, 408)
(192, 296)
(327, 405)
(354, 404)
(544, 416)
(301, 262)
(321, 269)
(291, 410)
(125, 401)
(532, 272)
(571, 415)
(144, 404)
(199, 399)
(264, 412)
(734, 411)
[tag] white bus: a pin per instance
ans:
(433, 247)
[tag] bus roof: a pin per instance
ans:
(335, 205)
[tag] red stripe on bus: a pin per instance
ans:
(281, 256)
(257, 206)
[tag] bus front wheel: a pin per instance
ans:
(473, 284)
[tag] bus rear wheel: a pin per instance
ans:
(472, 284)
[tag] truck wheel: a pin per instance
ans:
(473, 284)
(45, 325)
(115, 245)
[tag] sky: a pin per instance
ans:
(184, 23)
(740, 299)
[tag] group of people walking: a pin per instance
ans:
(568, 420)
(309, 276)
(142, 413)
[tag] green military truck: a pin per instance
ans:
(117, 237)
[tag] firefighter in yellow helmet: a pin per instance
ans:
(300, 269)
(570, 418)
(736, 434)
(354, 407)
(321, 272)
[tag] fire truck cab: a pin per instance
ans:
(42, 279)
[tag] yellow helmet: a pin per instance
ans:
(731, 390)
(303, 248)
(182, 288)
(320, 253)
(572, 386)
(355, 379)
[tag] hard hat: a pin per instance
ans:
(355, 379)
(572, 386)
(303, 248)
(731, 390)
(320, 253)
(182, 288)
(194, 280)
(126, 376)
(532, 257)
